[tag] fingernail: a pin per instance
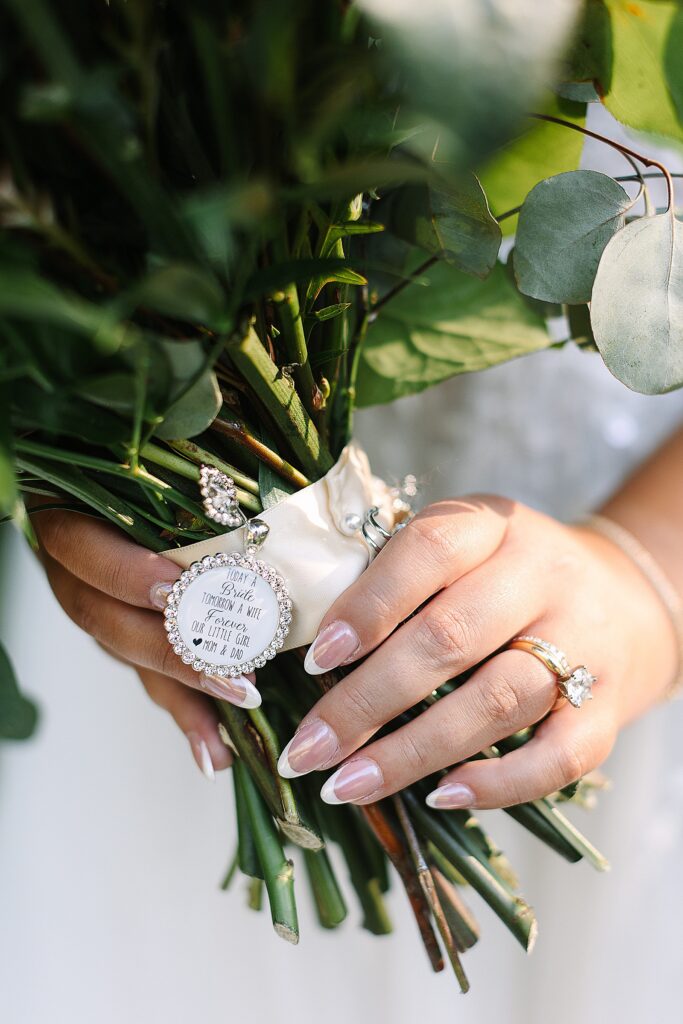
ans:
(355, 781)
(313, 746)
(240, 690)
(335, 644)
(450, 796)
(158, 594)
(201, 754)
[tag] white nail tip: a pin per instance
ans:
(284, 768)
(202, 756)
(327, 793)
(252, 698)
(432, 800)
(311, 665)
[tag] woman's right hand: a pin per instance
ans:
(115, 590)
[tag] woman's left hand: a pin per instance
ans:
(445, 594)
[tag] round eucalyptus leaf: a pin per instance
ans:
(449, 219)
(637, 307)
(564, 225)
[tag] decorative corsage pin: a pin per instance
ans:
(228, 613)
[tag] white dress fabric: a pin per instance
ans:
(112, 844)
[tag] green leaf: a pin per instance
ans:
(637, 306)
(295, 271)
(541, 150)
(472, 68)
(564, 225)
(8, 483)
(352, 227)
(186, 293)
(198, 406)
(589, 61)
(65, 413)
(645, 89)
(27, 296)
(330, 312)
(455, 324)
(580, 329)
(449, 220)
(111, 506)
(18, 714)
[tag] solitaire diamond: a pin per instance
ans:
(577, 686)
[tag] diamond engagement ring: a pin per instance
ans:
(574, 683)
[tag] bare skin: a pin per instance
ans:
(477, 571)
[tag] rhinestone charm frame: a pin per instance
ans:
(232, 560)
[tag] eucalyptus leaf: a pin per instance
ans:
(453, 324)
(198, 405)
(564, 225)
(18, 714)
(449, 220)
(637, 307)
(580, 328)
(473, 68)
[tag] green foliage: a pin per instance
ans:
(637, 307)
(447, 324)
(452, 221)
(642, 74)
(473, 69)
(18, 714)
(564, 225)
(233, 222)
(538, 151)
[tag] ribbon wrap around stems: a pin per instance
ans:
(307, 542)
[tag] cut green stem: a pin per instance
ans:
(278, 872)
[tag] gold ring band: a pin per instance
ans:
(574, 683)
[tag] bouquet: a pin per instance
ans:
(225, 227)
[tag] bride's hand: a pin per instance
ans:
(446, 594)
(115, 590)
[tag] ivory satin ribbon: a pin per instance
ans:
(306, 543)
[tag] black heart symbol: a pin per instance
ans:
(197, 640)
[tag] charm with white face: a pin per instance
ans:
(228, 614)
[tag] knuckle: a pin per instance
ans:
(414, 758)
(502, 701)
(53, 529)
(379, 599)
(117, 573)
(447, 637)
(438, 541)
(573, 762)
(358, 705)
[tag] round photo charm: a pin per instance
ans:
(228, 614)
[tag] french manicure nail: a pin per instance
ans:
(450, 796)
(313, 746)
(334, 644)
(201, 754)
(355, 781)
(158, 594)
(240, 690)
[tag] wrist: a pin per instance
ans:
(649, 607)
